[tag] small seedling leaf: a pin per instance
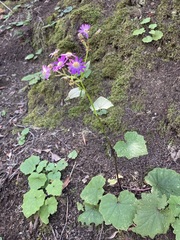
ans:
(146, 20)
(101, 103)
(41, 166)
(61, 165)
(176, 227)
(93, 192)
(29, 57)
(118, 211)
(152, 218)
(164, 181)
(138, 31)
(25, 132)
(55, 188)
(37, 180)
(80, 207)
(54, 175)
(39, 51)
(68, 9)
(133, 146)
(157, 35)
(147, 39)
(32, 201)
(75, 93)
(50, 167)
(73, 154)
(29, 165)
(91, 215)
(49, 207)
(153, 26)
(3, 113)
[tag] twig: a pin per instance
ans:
(6, 6)
(65, 221)
(100, 233)
(72, 170)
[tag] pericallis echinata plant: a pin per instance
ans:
(155, 211)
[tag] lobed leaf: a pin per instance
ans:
(176, 227)
(93, 192)
(32, 201)
(41, 166)
(147, 39)
(157, 35)
(164, 181)
(55, 188)
(61, 165)
(133, 146)
(37, 180)
(152, 218)
(146, 20)
(49, 207)
(91, 215)
(118, 211)
(29, 165)
(54, 175)
(73, 154)
(174, 205)
(138, 31)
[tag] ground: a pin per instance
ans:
(142, 81)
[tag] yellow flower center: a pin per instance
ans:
(76, 64)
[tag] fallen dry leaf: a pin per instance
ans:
(55, 157)
(66, 182)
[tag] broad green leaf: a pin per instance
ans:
(88, 65)
(176, 226)
(147, 39)
(49, 207)
(73, 154)
(146, 20)
(61, 165)
(93, 192)
(32, 201)
(68, 9)
(33, 81)
(50, 167)
(133, 146)
(87, 73)
(164, 181)
(37, 180)
(75, 93)
(118, 211)
(157, 35)
(91, 215)
(25, 131)
(55, 188)
(153, 26)
(152, 32)
(174, 205)
(138, 31)
(41, 166)
(152, 218)
(29, 57)
(54, 175)
(29, 165)
(101, 103)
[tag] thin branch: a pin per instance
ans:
(6, 6)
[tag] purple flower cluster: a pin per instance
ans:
(67, 61)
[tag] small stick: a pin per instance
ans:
(6, 6)
(65, 221)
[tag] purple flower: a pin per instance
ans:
(76, 65)
(46, 72)
(84, 30)
(60, 63)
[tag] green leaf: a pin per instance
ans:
(29, 57)
(153, 26)
(133, 146)
(21, 140)
(152, 218)
(90, 215)
(102, 112)
(50, 167)
(55, 188)
(93, 192)
(54, 175)
(68, 9)
(29, 165)
(146, 20)
(101, 103)
(147, 39)
(73, 154)
(61, 165)
(118, 211)
(174, 205)
(176, 226)
(37, 180)
(80, 207)
(157, 35)
(41, 166)
(152, 32)
(33, 81)
(39, 51)
(49, 207)
(138, 31)
(3, 113)
(25, 131)
(28, 77)
(164, 181)
(75, 93)
(19, 24)
(87, 73)
(32, 201)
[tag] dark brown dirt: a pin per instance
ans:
(92, 158)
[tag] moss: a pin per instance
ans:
(173, 119)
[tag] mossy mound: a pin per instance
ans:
(115, 55)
